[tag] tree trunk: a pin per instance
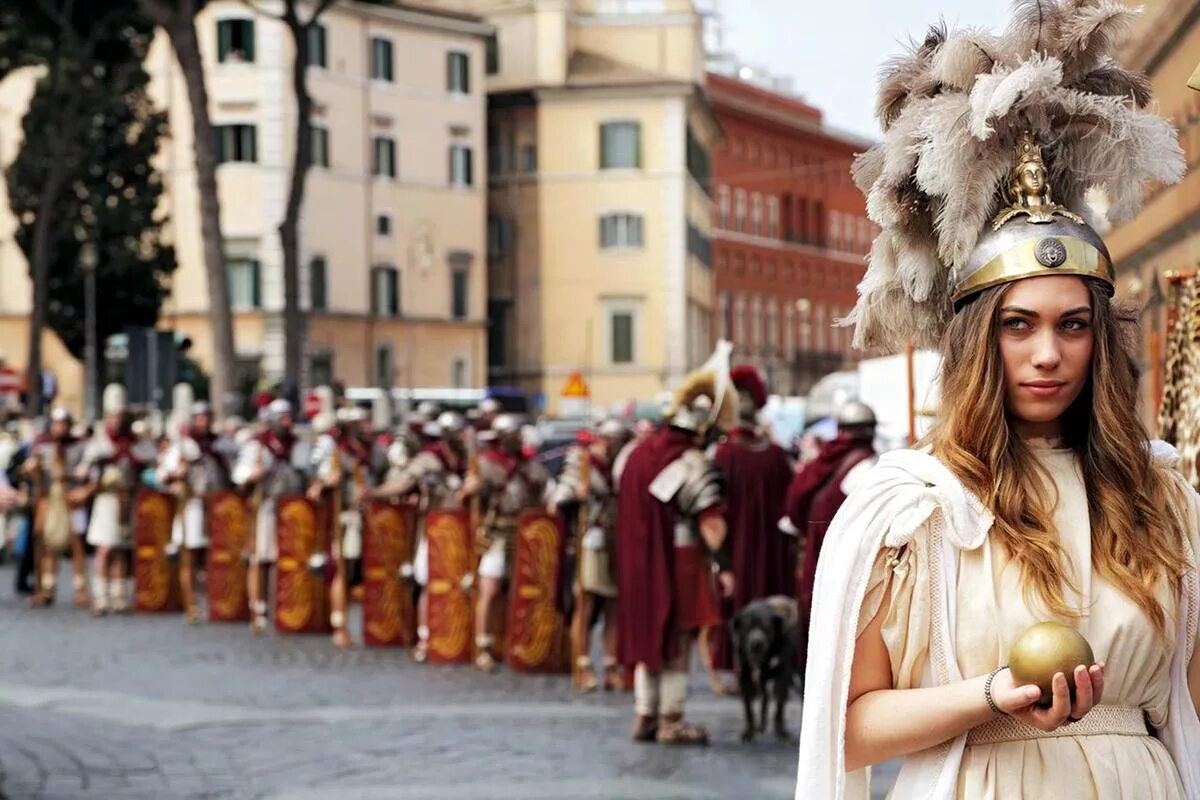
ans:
(181, 29)
(289, 229)
(48, 199)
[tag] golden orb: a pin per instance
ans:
(1043, 650)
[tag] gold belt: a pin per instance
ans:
(1101, 720)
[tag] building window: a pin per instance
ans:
(529, 158)
(383, 156)
(317, 284)
(726, 312)
(316, 48)
(723, 206)
(458, 73)
(620, 230)
(491, 55)
(460, 165)
(499, 234)
(385, 292)
(772, 326)
(320, 146)
(494, 165)
(739, 210)
(383, 224)
(699, 165)
(235, 41)
(459, 288)
(236, 143)
(245, 283)
(699, 245)
(497, 335)
(756, 213)
(739, 320)
(819, 328)
(381, 59)
(620, 324)
(620, 145)
(458, 373)
(789, 331)
(756, 325)
(773, 217)
(320, 369)
(383, 365)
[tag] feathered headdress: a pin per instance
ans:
(706, 397)
(958, 111)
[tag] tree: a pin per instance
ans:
(178, 19)
(63, 37)
(302, 158)
(109, 190)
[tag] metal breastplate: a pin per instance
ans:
(283, 479)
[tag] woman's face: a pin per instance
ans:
(1046, 340)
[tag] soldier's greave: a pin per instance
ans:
(646, 690)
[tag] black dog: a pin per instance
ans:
(764, 640)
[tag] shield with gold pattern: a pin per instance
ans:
(228, 518)
(389, 615)
(451, 572)
(303, 569)
(155, 576)
(536, 622)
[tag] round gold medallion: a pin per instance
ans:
(1050, 252)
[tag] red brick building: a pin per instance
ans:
(790, 236)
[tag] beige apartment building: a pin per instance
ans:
(393, 269)
(599, 195)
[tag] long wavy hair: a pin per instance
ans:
(1135, 505)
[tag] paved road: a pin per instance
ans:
(145, 707)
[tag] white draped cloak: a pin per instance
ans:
(908, 489)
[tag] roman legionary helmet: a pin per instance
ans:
(706, 398)
(991, 143)
(751, 391)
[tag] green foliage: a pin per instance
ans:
(112, 191)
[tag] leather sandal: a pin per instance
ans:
(681, 733)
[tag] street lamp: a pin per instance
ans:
(87, 259)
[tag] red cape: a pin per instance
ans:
(646, 555)
(757, 473)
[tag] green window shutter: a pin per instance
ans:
(224, 39)
(256, 283)
(248, 28)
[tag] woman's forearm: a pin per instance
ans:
(890, 723)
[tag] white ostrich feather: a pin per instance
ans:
(995, 94)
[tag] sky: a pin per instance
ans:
(833, 49)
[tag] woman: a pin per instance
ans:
(1038, 495)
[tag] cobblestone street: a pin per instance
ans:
(145, 707)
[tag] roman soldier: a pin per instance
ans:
(193, 466)
(817, 492)
(757, 473)
(271, 464)
(342, 474)
(112, 465)
(430, 480)
(508, 482)
(586, 493)
(52, 467)
(670, 523)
